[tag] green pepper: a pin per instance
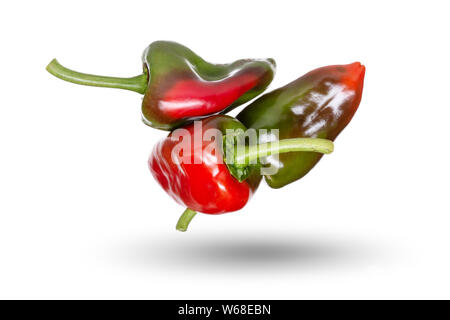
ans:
(179, 86)
(319, 104)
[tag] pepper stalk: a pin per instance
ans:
(137, 84)
(239, 163)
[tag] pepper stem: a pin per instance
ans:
(137, 84)
(185, 219)
(286, 145)
(240, 161)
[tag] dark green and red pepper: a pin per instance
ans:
(180, 86)
(319, 104)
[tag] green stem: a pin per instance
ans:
(137, 84)
(286, 145)
(185, 219)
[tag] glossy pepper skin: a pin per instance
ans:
(205, 185)
(319, 104)
(182, 86)
(179, 86)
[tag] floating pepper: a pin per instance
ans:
(180, 86)
(203, 177)
(319, 104)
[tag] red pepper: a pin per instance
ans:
(198, 176)
(205, 184)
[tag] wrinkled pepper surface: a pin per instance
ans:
(179, 86)
(205, 183)
(319, 104)
(200, 177)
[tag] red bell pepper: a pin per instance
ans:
(199, 176)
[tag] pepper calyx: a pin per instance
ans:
(240, 171)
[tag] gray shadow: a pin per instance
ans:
(253, 253)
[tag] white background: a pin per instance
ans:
(81, 216)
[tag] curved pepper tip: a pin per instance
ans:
(272, 62)
(353, 76)
(356, 71)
